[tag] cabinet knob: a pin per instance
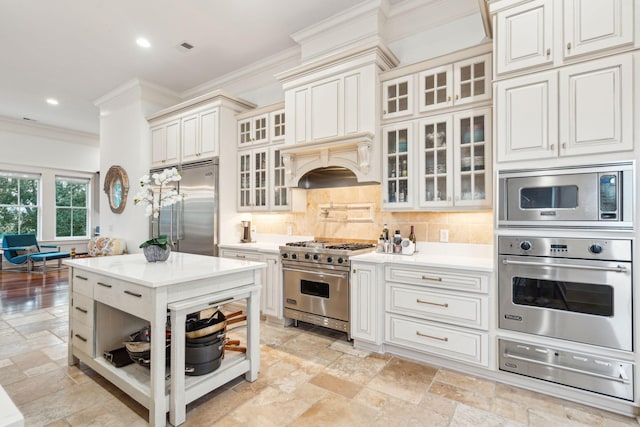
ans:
(564, 145)
(569, 46)
(548, 52)
(552, 147)
(457, 97)
(448, 99)
(354, 271)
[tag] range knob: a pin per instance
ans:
(595, 248)
(294, 256)
(285, 256)
(316, 257)
(340, 260)
(329, 259)
(307, 256)
(525, 246)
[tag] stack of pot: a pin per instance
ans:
(206, 339)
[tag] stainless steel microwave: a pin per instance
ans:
(598, 196)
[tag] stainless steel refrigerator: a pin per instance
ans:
(193, 222)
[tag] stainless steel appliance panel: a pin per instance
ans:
(581, 370)
(597, 196)
(193, 222)
(321, 292)
(583, 300)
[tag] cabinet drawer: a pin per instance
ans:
(249, 256)
(82, 282)
(82, 338)
(82, 310)
(449, 342)
(124, 296)
(437, 278)
(439, 306)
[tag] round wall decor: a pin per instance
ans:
(116, 185)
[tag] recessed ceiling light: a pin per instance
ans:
(142, 42)
(52, 101)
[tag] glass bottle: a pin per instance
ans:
(412, 235)
(397, 242)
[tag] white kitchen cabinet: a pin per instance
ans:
(200, 136)
(397, 97)
(459, 83)
(591, 26)
(253, 179)
(524, 36)
(542, 33)
(277, 124)
(253, 130)
(270, 278)
(280, 197)
(581, 109)
(165, 143)
(596, 106)
(366, 299)
(527, 117)
(397, 166)
(436, 311)
(435, 155)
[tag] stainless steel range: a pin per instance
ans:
(316, 282)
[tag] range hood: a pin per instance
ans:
(329, 177)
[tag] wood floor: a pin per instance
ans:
(22, 292)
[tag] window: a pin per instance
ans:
(19, 208)
(72, 207)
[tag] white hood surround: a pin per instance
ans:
(332, 101)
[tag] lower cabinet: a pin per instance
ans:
(366, 299)
(270, 279)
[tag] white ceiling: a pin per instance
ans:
(79, 50)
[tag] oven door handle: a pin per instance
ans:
(621, 379)
(342, 276)
(617, 269)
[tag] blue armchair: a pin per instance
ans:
(22, 249)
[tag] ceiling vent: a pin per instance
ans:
(185, 47)
(29, 119)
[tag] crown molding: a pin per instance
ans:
(8, 124)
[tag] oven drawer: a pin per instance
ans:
(124, 296)
(82, 310)
(445, 341)
(437, 278)
(249, 256)
(82, 338)
(471, 311)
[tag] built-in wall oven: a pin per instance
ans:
(574, 289)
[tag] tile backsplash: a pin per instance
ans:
(463, 227)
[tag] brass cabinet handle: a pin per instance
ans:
(445, 339)
(569, 46)
(106, 285)
(133, 294)
(448, 99)
(548, 51)
(240, 256)
(435, 279)
(80, 337)
(552, 147)
(445, 305)
(82, 310)
(564, 145)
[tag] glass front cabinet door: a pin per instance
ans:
(253, 175)
(435, 159)
(472, 160)
(397, 97)
(397, 166)
(279, 192)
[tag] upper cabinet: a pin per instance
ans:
(192, 130)
(397, 97)
(543, 33)
(261, 170)
(459, 83)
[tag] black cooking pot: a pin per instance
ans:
(202, 368)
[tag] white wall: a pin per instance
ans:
(125, 141)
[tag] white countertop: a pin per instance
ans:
(441, 255)
(179, 268)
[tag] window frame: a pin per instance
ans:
(38, 206)
(87, 207)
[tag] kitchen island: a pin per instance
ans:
(112, 297)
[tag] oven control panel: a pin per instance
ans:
(605, 249)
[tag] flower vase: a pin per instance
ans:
(155, 253)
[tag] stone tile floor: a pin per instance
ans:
(309, 377)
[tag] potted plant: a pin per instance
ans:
(156, 193)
